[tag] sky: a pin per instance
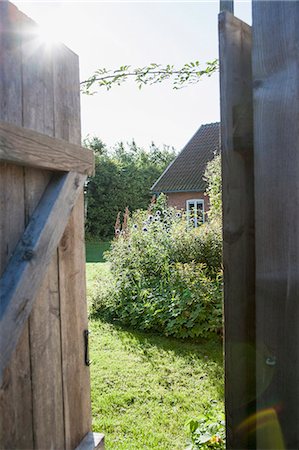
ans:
(110, 34)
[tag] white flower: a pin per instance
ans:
(158, 213)
(150, 218)
(144, 229)
(117, 231)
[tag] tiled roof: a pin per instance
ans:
(186, 171)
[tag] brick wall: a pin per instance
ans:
(178, 199)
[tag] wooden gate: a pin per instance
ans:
(260, 144)
(44, 381)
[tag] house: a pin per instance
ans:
(183, 180)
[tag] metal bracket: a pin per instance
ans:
(86, 348)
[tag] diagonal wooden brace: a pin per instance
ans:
(27, 267)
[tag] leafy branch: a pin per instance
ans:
(189, 73)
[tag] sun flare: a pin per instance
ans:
(47, 36)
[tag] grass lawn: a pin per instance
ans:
(95, 250)
(94, 273)
(145, 387)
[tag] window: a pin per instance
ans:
(195, 212)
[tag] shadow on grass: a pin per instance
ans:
(146, 344)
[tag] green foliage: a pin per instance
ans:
(206, 433)
(123, 177)
(213, 178)
(166, 275)
(189, 73)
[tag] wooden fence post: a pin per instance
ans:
(276, 153)
(238, 226)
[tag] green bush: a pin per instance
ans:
(201, 244)
(123, 177)
(166, 276)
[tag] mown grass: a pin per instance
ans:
(145, 387)
(95, 274)
(95, 251)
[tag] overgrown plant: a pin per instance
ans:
(214, 183)
(166, 275)
(206, 433)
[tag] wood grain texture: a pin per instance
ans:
(238, 225)
(29, 148)
(27, 267)
(16, 429)
(26, 83)
(276, 142)
(44, 321)
(71, 267)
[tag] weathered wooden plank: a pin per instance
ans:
(71, 267)
(15, 415)
(238, 225)
(276, 153)
(92, 441)
(22, 278)
(44, 320)
(17, 381)
(29, 148)
(10, 68)
(12, 213)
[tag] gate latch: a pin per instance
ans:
(86, 347)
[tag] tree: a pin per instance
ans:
(189, 73)
(123, 177)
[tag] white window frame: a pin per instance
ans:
(195, 201)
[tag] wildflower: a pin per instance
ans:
(158, 213)
(135, 226)
(117, 231)
(150, 218)
(157, 218)
(178, 214)
(144, 229)
(117, 223)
